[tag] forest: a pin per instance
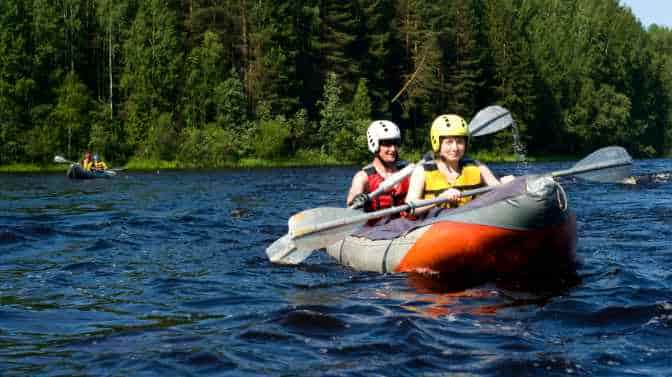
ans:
(206, 83)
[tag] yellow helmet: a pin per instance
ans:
(447, 125)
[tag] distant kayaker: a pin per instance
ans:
(98, 164)
(383, 139)
(87, 162)
(649, 178)
(450, 171)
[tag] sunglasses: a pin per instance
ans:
(389, 143)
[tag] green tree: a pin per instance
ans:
(105, 135)
(230, 103)
(111, 16)
(70, 115)
(203, 75)
(512, 69)
(376, 51)
(351, 139)
(661, 64)
(462, 59)
(334, 117)
(274, 46)
(420, 26)
(152, 57)
(16, 83)
(337, 42)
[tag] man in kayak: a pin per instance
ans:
(86, 162)
(98, 164)
(383, 139)
(451, 171)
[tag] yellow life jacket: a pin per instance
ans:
(100, 165)
(87, 165)
(436, 183)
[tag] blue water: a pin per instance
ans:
(166, 274)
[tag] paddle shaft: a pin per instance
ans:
(578, 169)
(588, 168)
(309, 229)
(392, 180)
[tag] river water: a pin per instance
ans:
(164, 273)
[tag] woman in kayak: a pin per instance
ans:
(451, 171)
(87, 162)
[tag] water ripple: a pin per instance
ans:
(165, 274)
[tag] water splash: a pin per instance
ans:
(520, 150)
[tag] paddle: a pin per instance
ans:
(283, 248)
(490, 120)
(487, 121)
(320, 227)
(61, 160)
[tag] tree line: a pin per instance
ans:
(208, 82)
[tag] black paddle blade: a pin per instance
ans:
(490, 120)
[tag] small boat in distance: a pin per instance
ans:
(75, 171)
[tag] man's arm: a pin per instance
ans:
(358, 186)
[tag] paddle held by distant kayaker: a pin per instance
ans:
(451, 171)
(383, 139)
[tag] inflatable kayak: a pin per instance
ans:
(75, 171)
(524, 227)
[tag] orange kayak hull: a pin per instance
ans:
(453, 247)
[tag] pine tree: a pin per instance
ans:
(16, 83)
(338, 36)
(514, 80)
(375, 49)
(462, 58)
(203, 74)
(152, 55)
(70, 114)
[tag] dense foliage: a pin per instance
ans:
(209, 82)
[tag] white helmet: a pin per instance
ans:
(381, 130)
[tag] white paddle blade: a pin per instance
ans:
(60, 159)
(283, 251)
(318, 228)
(606, 165)
(110, 173)
(490, 120)
(322, 239)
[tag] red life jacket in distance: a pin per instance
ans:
(393, 197)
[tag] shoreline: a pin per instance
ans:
(137, 165)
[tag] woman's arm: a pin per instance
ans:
(486, 174)
(489, 177)
(416, 191)
(416, 186)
